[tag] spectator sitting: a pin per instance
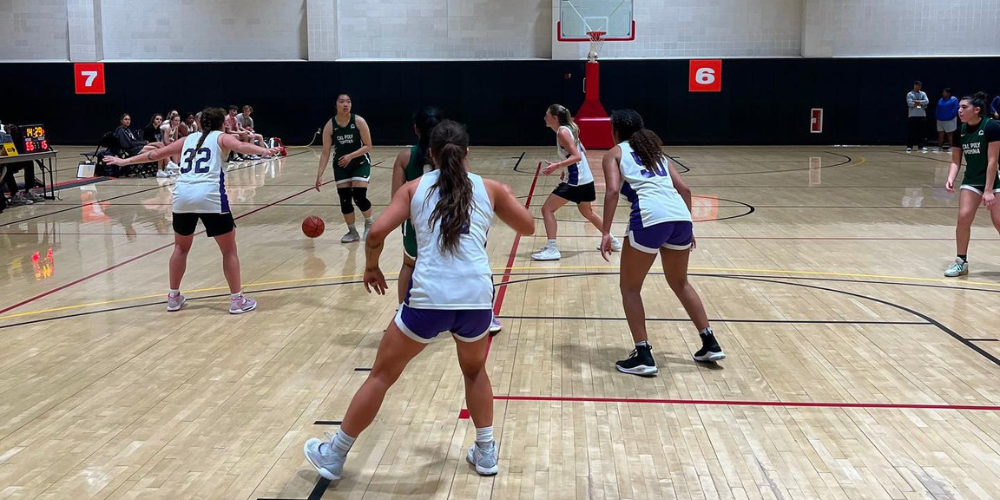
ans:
(947, 119)
(995, 108)
(128, 143)
(170, 132)
(246, 122)
(152, 132)
(233, 127)
(25, 197)
(189, 126)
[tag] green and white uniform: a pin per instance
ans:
(347, 140)
(975, 148)
(413, 171)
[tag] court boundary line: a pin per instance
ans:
(724, 402)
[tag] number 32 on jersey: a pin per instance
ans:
(197, 162)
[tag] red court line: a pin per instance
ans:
(721, 402)
(502, 291)
(137, 257)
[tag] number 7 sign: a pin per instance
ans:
(89, 78)
(705, 76)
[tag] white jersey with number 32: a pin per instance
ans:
(201, 186)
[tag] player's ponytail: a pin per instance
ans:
(628, 125)
(212, 119)
(979, 100)
(425, 120)
(565, 119)
(449, 146)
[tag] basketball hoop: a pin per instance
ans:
(596, 42)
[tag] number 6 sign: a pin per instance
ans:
(705, 76)
(89, 78)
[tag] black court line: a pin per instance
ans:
(983, 340)
(922, 156)
(750, 209)
(327, 422)
(81, 205)
(721, 320)
(316, 494)
(771, 279)
(519, 158)
(360, 369)
(845, 162)
(677, 160)
(534, 276)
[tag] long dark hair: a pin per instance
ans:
(628, 125)
(565, 119)
(979, 100)
(212, 119)
(425, 120)
(449, 146)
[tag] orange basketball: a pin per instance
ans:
(313, 226)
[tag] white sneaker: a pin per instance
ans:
(909, 150)
(547, 253)
(173, 166)
(162, 174)
(959, 268)
(350, 237)
(923, 150)
(616, 245)
(485, 459)
(175, 302)
(241, 305)
(321, 455)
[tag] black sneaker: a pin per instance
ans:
(710, 350)
(640, 362)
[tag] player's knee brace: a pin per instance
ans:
(345, 200)
(361, 198)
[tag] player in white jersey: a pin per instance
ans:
(200, 193)
(452, 291)
(577, 184)
(660, 222)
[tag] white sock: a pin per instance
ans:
(369, 220)
(484, 436)
(341, 442)
(707, 331)
(644, 343)
(235, 296)
(173, 293)
(551, 243)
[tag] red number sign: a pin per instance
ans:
(705, 76)
(89, 78)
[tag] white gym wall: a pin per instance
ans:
(326, 30)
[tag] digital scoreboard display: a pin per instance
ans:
(34, 139)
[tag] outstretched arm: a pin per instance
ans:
(155, 155)
(394, 215)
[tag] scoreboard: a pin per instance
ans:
(34, 139)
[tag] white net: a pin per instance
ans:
(596, 42)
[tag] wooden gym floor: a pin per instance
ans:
(855, 369)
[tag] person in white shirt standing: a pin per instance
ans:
(200, 194)
(916, 119)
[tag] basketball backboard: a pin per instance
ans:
(577, 18)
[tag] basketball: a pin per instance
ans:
(313, 226)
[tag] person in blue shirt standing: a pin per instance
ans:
(947, 119)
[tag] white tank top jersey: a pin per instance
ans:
(442, 280)
(577, 174)
(201, 186)
(652, 195)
